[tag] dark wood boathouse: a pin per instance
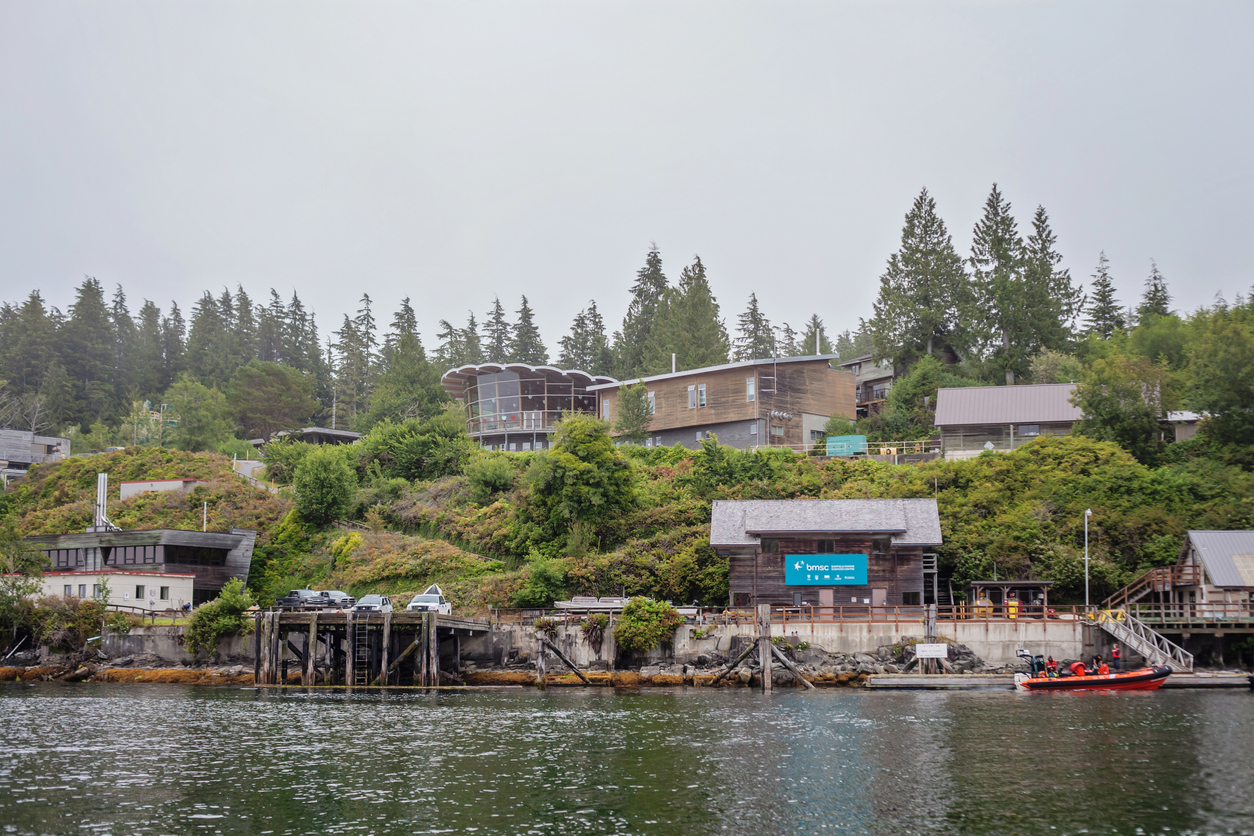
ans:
(827, 552)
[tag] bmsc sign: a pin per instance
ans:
(825, 569)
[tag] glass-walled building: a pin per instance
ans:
(513, 406)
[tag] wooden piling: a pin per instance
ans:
(387, 647)
(311, 650)
(541, 665)
(764, 644)
(257, 628)
(263, 647)
(433, 648)
(787, 663)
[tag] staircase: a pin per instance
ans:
(1160, 579)
(361, 650)
(944, 594)
(1138, 636)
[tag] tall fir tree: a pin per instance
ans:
(585, 347)
(270, 330)
(1156, 300)
(997, 259)
(497, 334)
(925, 295)
(245, 326)
(123, 350)
(755, 339)
(786, 341)
(1104, 315)
(851, 344)
(30, 345)
(149, 361)
(1052, 302)
(646, 295)
(451, 350)
(404, 324)
(173, 346)
(87, 348)
(527, 347)
(814, 338)
(687, 324)
(472, 345)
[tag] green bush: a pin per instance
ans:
(419, 449)
(325, 485)
(544, 584)
(221, 617)
(645, 624)
(66, 623)
(282, 456)
(490, 474)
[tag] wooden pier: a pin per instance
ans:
(359, 649)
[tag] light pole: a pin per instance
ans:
(1088, 512)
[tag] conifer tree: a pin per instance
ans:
(173, 346)
(88, 352)
(634, 417)
(404, 324)
(1052, 302)
(755, 338)
(497, 334)
(123, 348)
(1104, 315)
(646, 295)
(786, 343)
(471, 344)
(687, 324)
(1155, 301)
(30, 340)
(585, 348)
(270, 327)
(148, 353)
(526, 346)
(452, 346)
(815, 336)
(924, 296)
(245, 326)
(997, 260)
(851, 344)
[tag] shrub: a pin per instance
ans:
(282, 456)
(593, 628)
(66, 622)
(223, 616)
(545, 583)
(325, 485)
(645, 624)
(489, 475)
(546, 627)
(419, 449)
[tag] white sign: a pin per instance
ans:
(939, 650)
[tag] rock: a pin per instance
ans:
(123, 661)
(703, 660)
(744, 676)
(880, 669)
(863, 659)
(651, 670)
(865, 668)
(891, 668)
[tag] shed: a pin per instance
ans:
(973, 419)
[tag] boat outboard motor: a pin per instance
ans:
(1036, 664)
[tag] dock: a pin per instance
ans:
(360, 649)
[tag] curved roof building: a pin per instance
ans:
(513, 406)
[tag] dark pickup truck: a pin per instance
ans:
(303, 599)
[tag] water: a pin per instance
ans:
(102, 759)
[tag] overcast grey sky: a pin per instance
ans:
(454, 151)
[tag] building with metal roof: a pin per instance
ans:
(973, 419)
(847, 553)
(514, 406)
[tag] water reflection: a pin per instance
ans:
(160, 759)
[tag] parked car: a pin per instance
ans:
(340, 600)
(432, 600)
(373, 603)
(303, 599)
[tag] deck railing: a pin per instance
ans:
(152, 615)
(1195, 613)
(853, 614)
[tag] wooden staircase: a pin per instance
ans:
(1160, 579)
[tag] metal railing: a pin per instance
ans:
(1137, 635)
(171, 613)
(1193, 614)
(1159, 579)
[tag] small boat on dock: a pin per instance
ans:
(1145, 679)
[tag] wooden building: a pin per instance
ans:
(755, 403)
(975, 419)
(826, 552)
(212, 557)
(1215, 573)
(872, 383)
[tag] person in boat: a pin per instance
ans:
(1051, 666)
(1102, 669)
(1116, 658)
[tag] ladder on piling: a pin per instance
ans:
(361, 650)
(1140, 637)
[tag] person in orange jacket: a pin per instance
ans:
(1116, 658)
(1077, 669)
(1051, 666)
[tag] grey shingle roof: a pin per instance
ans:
(910, 522)
(1046, 403)
(1216, 549)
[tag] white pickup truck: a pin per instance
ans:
(432, 600)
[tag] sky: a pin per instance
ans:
(453, 152)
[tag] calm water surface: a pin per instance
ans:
(100, 759)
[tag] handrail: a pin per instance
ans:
(171, 613)
(807, 614)
(1156, 649)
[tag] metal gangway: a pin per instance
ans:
(1140, 637)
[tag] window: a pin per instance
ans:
(648, 442)
(652, 404)
(750, 390)
(698, 435)
(1026, 430)
(742, 599)
(753, 428)
(692, 396)
(776, 429)
(526, 445)
(700, 394)
(770, 547)
(605, 410)
(82, 590)
(825, 547)
(69, 590)
(513, 446)
(816, 435)
(95, 590)
(139, 592)
(910, 599)
(796, 599)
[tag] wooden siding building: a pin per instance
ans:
(973, 419)
(213, 557)
(755, 403)
(826, 552)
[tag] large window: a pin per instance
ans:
(750, 390)
(692, 396)
(700, 394)
(1028, 430)
(652, 403)
(825, 547)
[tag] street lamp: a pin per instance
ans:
(1088, 512)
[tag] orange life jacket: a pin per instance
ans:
(1103, 669)
(1116, 653)
(1077, 669)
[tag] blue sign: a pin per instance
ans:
(825, 570)
(846, 445)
